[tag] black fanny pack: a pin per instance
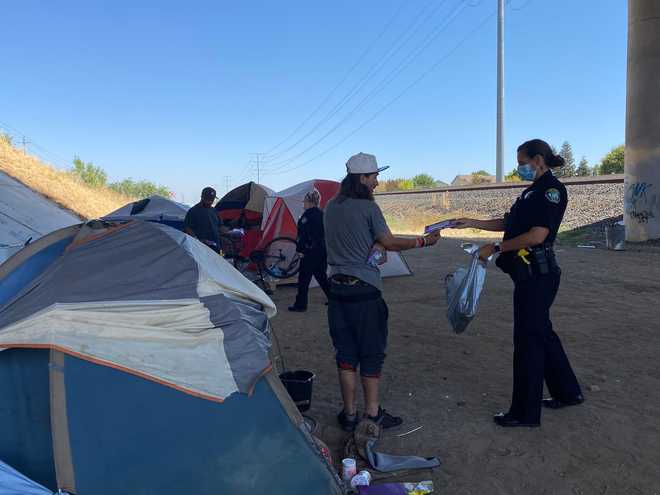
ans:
(529, 263)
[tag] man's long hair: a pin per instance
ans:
(351, 187)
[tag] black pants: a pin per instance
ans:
(538, 353)
(314, 263)
(357, 317)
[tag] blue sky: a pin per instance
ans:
(183, 93)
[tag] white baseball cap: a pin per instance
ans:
(363, 163)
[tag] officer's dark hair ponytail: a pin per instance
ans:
(535, 147)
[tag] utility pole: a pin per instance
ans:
(500, 91)
(257, 157)
(25, 142)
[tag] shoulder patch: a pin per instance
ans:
(553, 195)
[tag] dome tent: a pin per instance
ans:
(243, 207)
(283, 209)
(152, 209)
(130, 351)
(246, 199)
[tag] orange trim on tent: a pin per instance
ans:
(109, 231)
(108, 364)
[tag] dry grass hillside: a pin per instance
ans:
(58, 186)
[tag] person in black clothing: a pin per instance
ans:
(527, 255)
(202, 221)
(311, 246)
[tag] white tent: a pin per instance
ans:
(152, 209)
(26, 215)
(283, 209)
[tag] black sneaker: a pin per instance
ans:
(385, 420)
(297, 309)
(347, 422)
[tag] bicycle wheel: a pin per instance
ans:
(281, 260)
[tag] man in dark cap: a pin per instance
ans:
(202, 220)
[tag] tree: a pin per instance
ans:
(89, 173)
(612, 163)
(566, 152)
(139, 189)
(423, 180)
(512, 176)
(6, 138)
(583, 169)
(480, 172)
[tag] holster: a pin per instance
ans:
(541, 260)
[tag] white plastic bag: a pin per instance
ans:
(463, 290)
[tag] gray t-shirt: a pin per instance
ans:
(351, 229)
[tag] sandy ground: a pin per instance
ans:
(608, 315)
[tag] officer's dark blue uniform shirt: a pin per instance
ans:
(311, 234)
(204, 223)
(540, 205)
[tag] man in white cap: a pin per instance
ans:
(357, 314)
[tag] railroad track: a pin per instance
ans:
(571, 181)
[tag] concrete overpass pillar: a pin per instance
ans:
(642, 162)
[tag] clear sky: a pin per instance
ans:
(182, 93)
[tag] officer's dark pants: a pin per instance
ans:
(314, 263)
(538, 353)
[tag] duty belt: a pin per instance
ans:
(528, 263)
(347, 280)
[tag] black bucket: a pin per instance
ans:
(299, 385)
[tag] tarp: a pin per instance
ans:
(25, 214)
(113, 313)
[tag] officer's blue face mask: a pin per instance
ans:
(526, 172)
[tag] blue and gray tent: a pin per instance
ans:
(152, 209)
(135, 360)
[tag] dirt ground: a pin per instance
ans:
(608, 315)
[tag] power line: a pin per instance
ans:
(398, 44)
(44, 153)
(391, 76)
(398, 97)
(339, 84)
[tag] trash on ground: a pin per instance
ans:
(418, 488)
(386, 462)
(411, 431)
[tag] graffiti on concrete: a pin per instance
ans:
(642, 202)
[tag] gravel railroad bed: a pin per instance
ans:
(588, 203)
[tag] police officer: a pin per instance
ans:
(311, 246)
(202, 221)
(527, 255)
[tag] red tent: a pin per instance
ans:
(282, 210)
